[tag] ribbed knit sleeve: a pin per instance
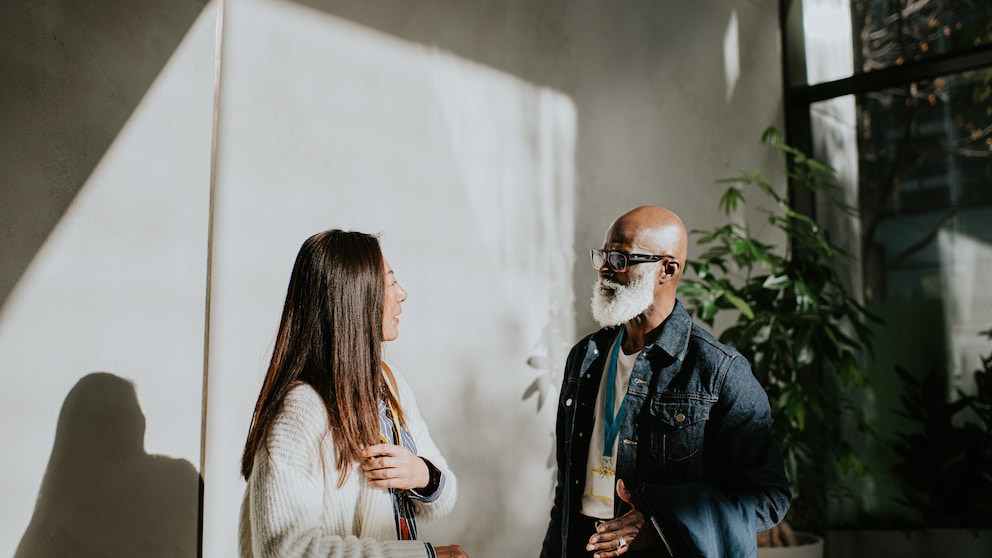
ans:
(427, 511)
(292, 505)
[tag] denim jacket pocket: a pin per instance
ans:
(677, 429)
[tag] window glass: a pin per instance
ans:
(925, 154)
(844, 37)
(916, 160)
(894, 32)
(829, 44)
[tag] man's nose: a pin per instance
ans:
(606, 271)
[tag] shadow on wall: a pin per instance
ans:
(73, 72)
(102, 495)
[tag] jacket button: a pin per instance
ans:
(568, 402)
(580, 434)
(680, 417)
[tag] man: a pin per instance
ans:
(658, 404)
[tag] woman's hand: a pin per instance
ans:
(391, 466)
(452, 551)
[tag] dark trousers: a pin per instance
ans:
(583, 527)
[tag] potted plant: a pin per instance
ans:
(943, 472)
(945, 459)
(797, 323)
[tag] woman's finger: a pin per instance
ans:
(381, 462)
(379, 449)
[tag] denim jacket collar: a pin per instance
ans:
(672, 339)
(674, 335)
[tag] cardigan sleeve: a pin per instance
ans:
(284, 513)
(433, 508)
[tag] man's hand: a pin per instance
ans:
(616, 536)
(391, 466)
(451, 551)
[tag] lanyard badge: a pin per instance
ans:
(603, 479)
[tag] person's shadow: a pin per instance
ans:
(102, 495)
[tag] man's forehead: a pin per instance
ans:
(630, 235)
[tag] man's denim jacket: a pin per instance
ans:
(694, 414)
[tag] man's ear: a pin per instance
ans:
(669, 269)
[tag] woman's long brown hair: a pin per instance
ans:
(330, 337)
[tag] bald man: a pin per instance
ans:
(664, 440)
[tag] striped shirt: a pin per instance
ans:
(403, 510)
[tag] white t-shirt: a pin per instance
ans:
(600, 504)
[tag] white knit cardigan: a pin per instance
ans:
(293, 507)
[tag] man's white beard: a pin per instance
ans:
(626, 303)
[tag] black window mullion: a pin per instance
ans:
(942, 65)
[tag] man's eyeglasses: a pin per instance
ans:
(618, 261)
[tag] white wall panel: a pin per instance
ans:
(117, 286)
(466, 172)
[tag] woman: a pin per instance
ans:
(338, 460)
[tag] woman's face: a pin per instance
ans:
(395, 295)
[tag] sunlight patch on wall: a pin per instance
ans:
(467, 173)
(731, 55)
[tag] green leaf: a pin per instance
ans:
(819, 167)
(740, 246)
(710, 307)
(805, 299)
(692, 288)
(714, 253)
(851, 371)
(759, 252)
(771, 136)
(792, 403)
(740, 304)
(776, 282)
(705, 237)
(730, 199)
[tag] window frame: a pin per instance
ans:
(799, 95)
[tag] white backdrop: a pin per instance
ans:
(467, 175)
(491, 143)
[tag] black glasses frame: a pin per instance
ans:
(619, 261)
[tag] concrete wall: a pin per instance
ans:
(490, 143)
(104, 204)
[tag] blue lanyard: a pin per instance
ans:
(611, 421)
